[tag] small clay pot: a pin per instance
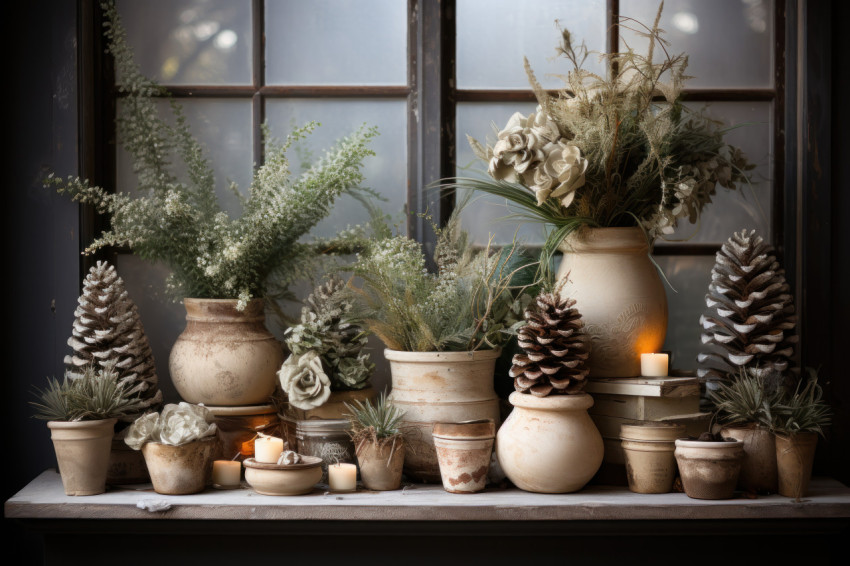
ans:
(82, 453)
(279, 479)
(180, 470)
(795, 456)
(463, 453)
(648, 449)
(709, 470)
(758, 470)
(381, 463)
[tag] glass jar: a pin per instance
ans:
(327, 439)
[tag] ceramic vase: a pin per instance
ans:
(82, 453)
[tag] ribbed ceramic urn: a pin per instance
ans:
(439, 387)
(619, 294)
(225, 357)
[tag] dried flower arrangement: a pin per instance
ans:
(618, 150)
(176, 425)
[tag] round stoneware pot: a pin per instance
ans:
(758, 470)
(225, 356)
(180, 470)
(381, 463)
(435, 387)
(549, 444)
(619, 294)
(709, 470)
(463, 451)
(795, 456)
(277, 479)
(648, 449)
(82, 453)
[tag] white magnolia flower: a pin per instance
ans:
(560, 174)
(304, 381)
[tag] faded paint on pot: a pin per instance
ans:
(758, 470)
(224, 356)
(381, 463)
(709, 470)
(549, 444)
(619, 294)
(795, 456)
(648, 450)
(277, 479)
(434, 387)
(82, 453)
(180, 470)
(463, 452)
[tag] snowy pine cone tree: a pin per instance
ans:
(107, 329)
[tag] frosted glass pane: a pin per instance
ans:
(729, 42)
(690, 276)
(337, 42)
(385, 172)
(494, 35)
(481, 218)
(224, 128)
(179, 42)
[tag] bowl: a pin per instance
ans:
(292, 479)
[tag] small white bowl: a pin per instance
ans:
(292, 479)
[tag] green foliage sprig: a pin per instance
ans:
(375, 420)
(804, 410)
(746, 400)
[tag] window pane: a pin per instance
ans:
(729, 42)
(385, 172)
(179, 42)
(339, 42)
(494, 35)
(224, 128)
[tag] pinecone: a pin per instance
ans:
(555, 350)
(750, 319)
(107, 329)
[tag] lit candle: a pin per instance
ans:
(226, 473)
(653, 365)
(267, 449)
(342, 477)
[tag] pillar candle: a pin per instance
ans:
(342, 477)
(226, 473)
(653, 365)
(267, 449)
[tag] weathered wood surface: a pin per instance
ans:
(647, 387)
(641, 408)
(44, 498)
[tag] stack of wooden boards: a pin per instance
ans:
(632, 400)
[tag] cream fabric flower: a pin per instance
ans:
(560, 174)
(304, 380)
(176, 425)
(520, 145)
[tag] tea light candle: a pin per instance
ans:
(653, 365)
(342, 477)
(226, 473)
(267, 449)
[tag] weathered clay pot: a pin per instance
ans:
(433, 387)
(238, 426)
(463, 451)
(82, 453)
(334, 407)
(650, 463)
(795, 456)
(224, 356)
(709, 470)
(292, 479)
(549, 444)
(758, 470)
(619, 294)
(381, 463)
(180, 470)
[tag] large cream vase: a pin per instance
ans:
(619, 294)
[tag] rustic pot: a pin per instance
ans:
(225, 357)
(795, 456)
(291, 479)
(381, 463)
(238, 426)
(180, 470)
(650, 463)
(549, 444)
(434, 387)
(463, 451)
(334, 407)
(709, 470)
(82, 453)
(758, 470)
(619, 294)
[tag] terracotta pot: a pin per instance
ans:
(619, 294)
(650, 463)
(180, 470)
(381, 463)
(795, 456)
(549, 444)
(292, 479)
(463, 451)
(334, 407)
(434, 387)
(224, 356)
(758, 470)
(709, 470)
(82, 453)
(238, 426)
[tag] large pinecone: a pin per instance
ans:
(107, 328)
(750, 319)
(555, 350)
